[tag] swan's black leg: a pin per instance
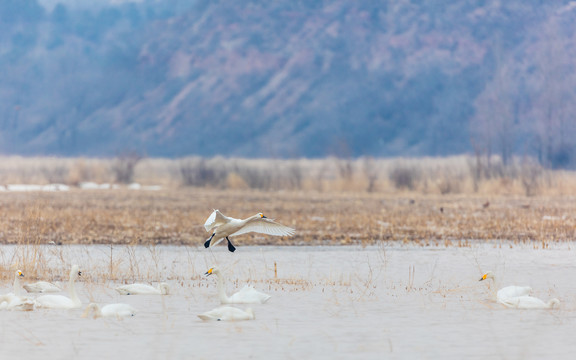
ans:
(207, 243)
(230, 246)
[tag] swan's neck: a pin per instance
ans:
(72, 289)
(221, 291)
(494, 288)
(17, 285)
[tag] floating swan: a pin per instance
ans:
(143, 289)
(41, 287)
(529, 302)
(508, 291)
(13, 301)
(223, 226)
(61, 301)
(246, 295)
(111, 310)
(228, 313)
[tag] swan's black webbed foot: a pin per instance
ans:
(207, 243)
(230, 246)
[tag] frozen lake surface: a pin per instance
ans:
(388, 301)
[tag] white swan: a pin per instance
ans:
(111, 310)
(13, 300)
(223, 226)
(41, 287)
(508, 291)
(228, 313)
(61, 301)
(246, 295)
(143, 289)
(529, 302)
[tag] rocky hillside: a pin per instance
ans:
(287, 78)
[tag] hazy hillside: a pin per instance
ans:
(288, 78)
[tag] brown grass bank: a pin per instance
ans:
(176, 216)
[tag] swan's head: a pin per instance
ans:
(553, 303)
(488, 275)
(211, 271)
(75, 272)
(19, 273)
(164, 288)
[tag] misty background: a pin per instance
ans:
(288, 78)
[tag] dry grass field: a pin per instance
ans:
(176, 217)
(427, 202)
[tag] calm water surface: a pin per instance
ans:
(390, 301)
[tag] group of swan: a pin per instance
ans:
(246, 295)
(518, 297)
(14, 301)
(223, 226)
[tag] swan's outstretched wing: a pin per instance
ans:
(214, 220)
(265, 226)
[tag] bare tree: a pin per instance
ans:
(124, 164)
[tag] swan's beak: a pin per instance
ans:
(79, 273)
(209, 272)
(483, 277)
(264, 217)
(20, 274)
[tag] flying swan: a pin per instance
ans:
(61, 301)
(143, 289)
(110, 311)
(228, 313)
(222, 227)
(246, 295)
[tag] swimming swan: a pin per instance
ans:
(61, 301)
(41, 287)
(246, 295)
(508, 291)
(110, 311)
(223, 226)
(228, 313)
(13, 300)
(143, 289)
(529, 302)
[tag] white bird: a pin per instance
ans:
(508, 291)
(529, 302)
(111, 310)
(61, 301)
(13, 300)
(246, 295)
(228, 313)
(143, 289)
(41, 287)
(223, 226)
